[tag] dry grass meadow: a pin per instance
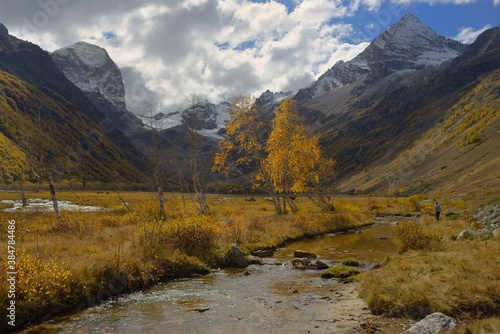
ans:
(74, 262)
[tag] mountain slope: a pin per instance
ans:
(459, 154)
(77, 137)
(370, 123)
(406, 46)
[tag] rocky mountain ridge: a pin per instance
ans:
(91, 69)
(405, 46)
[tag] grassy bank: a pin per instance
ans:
(437, 273)
(77, 261)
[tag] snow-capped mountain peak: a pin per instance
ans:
(91, 69)
(406, 45)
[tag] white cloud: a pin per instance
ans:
(468, 35)
(496, 2)
(218, 48)
(434, 2)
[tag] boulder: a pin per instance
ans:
(433, 324)
(300, 263)
(255, 260)
(321, 265)
(250, 199)
(305, 263)
(236, 258)
(304, 254)
(263, 253)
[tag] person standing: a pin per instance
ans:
(437, 210)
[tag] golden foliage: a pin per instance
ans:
(293, 155)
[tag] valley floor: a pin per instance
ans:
(71, 263)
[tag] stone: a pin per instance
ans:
(305, 263)
(236, 258)
(433, 324)
(304, 254)
(250, 199)
(300, 263)
(263, 253)
(321, 265)
(255, 260)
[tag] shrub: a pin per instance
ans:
(194, 236)
(414, 203)
(412, 235)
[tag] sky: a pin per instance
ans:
(170, 50)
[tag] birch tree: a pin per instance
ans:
(294, 161)
(243, 151)
(191, 119)
(152, 108)
(38, 156)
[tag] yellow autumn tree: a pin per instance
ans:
(293, 156)
(243, 151)
(288, 162)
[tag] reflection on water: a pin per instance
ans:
(272, 299)
(370, 244)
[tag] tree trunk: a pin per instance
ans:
(291, 204)
(284, 204)
(123, 201)
(24, 200)
(161, 199)
(53, 195)
(182, 195)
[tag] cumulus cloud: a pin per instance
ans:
(216, 48)
(468, 35)
(219, 49)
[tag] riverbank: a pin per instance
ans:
(69, 264)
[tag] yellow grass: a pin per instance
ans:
(84, 257)
(75, 262)
(457, 277)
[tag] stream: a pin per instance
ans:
(273, 298)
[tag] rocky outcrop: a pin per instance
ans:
(90, 68)
(486, 224)
(434, 323)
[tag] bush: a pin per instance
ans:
(194, 236)
(412, 235)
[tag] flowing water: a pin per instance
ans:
(273, 298)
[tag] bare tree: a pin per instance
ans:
(38, 155)
(152, 109)
(191, 120)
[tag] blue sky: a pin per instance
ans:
(223, 48)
